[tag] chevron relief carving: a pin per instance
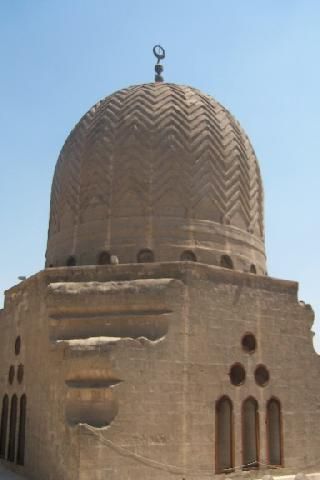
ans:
(154, 145)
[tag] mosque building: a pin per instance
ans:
(154, 344)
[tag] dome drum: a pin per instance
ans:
(208, 245)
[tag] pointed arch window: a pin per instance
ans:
(22, 430)
(274, 434)
(188, 256)
(4, 426)
(224, 435)
(226, 262)
(250, 433)
(12, 429)
(145, 256)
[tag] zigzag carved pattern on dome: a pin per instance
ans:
(150, 140)
(65, 185)
(209, 167)
(132, 166)
(97, 174)
(171, 167)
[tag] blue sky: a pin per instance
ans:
(259, 58)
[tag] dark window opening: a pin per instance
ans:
(145, 256)
(12, 429)
(237, 374)
(17, 345)
(224, 436)
(250, 434)
(188, 256)
(71, 261)
(104, 258)
(253, 269)
(226, 262)
(249, 343)
(22, 430)
(11, 374)
(4, 426)
(20, 373)
(274, 434)
(261, 375)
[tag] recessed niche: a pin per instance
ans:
(94, 407)
(237, 374)
(261, 375)
(249, 343)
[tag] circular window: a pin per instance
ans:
(249, 343)
(237, 374)
(17, 345)
(11, 374)
(261, 375)
(20, 373)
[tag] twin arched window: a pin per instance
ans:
(250, 434)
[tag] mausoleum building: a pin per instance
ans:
(154, 344)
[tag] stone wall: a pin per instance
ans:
(124, 365)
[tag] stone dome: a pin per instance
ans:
(157, 172)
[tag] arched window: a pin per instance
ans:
(104, 258)
(253, 269)
(4, 426)
(22, 430)
(188, 256)
(71, 261)
(145, 256)
(20, 373)
(224, 435)
(274, 436)
(17, 345)
(226, 262)
(12, 429)
(11, 375)
(250, 433)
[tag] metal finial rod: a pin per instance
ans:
(160, 53)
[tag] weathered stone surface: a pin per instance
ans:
(157, 166)
(133, 369)
(149, 403)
